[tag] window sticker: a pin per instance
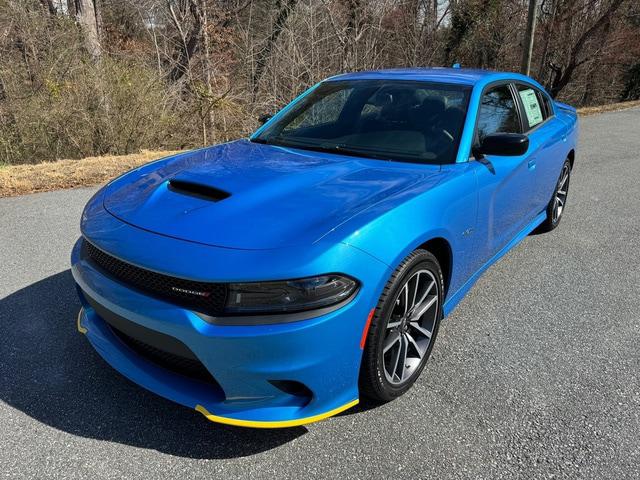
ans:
(531, 106)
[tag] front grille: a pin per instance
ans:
(200, 296)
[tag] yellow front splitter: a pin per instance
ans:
(81, 329)
(274, 424)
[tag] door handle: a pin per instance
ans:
(531, 164)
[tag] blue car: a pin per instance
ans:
(275, 281)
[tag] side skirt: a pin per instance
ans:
(454, 299)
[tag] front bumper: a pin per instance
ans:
(322, 353)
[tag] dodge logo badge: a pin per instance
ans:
(190, 292)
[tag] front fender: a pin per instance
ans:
(448, 210)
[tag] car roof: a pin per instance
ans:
(462, 76)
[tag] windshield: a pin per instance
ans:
(390, 120)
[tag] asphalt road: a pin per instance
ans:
(535, 375)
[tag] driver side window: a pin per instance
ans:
(498, 113)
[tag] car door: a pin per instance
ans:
(547, 134)
(506, 184)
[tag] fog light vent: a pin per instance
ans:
(291, 387)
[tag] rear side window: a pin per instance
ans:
(544, 100)
(535, 111)
(498, 112)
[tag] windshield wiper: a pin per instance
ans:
(359, 152)
(325, 148)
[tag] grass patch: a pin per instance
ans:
(42, 177)
(611, 107)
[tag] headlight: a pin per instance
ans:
(289, 295)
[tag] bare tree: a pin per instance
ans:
(87, 15)
(181, 73)
(189, 39)
(283, 10)
(562, 73)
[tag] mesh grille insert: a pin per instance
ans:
(159, 348)
(184, 366)
(200, 296)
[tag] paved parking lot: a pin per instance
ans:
(535, 375)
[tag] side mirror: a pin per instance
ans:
(264, 118)
(505, 144)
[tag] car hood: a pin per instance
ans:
(252, 196)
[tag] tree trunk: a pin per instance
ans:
(527, 48)
(210, 121)
(549, 27)
(98, 12)
(50, 6)
(264, 54)
(189, 42)
(349, 53)
(87, 16)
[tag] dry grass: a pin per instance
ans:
(611, 107)
(42, 177)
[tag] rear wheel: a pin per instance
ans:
(403, 329)
(558, 202)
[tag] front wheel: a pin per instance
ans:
(403, 329)
(558, 202)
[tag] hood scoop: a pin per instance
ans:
(199, 190)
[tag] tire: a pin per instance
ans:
(558, 202)
(382, 377)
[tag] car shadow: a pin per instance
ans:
(51, 373)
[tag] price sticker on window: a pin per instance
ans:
(531, 106)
